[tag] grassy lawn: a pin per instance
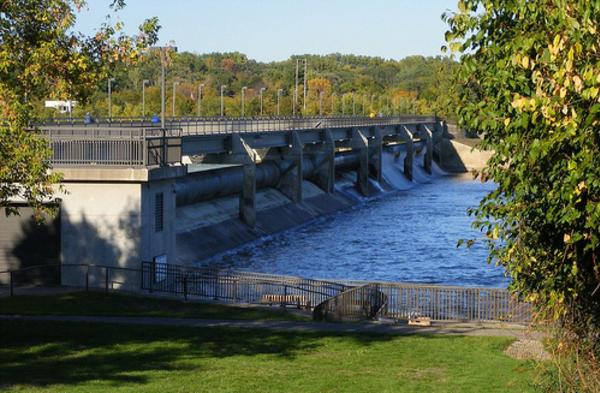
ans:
(79, 357)
(114, 304)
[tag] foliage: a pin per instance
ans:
(414, 84)
(80, 357)
(530, 80)
(40, 56)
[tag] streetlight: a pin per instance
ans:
(243, 90)
(262, 89)
(174, 91)
(223, 87)
(363, 103)
(200, 89)
(320, 103)
(110, 81)
(279, 100)
(144, 83)
(372, 96)
(333, 103)
(163, 64)
(344, 104)
(353, 104)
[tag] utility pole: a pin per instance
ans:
(304, 96)
(296, 89)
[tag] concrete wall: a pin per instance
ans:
(101, 224)
(457, 157)
(155, 243)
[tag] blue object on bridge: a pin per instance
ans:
(155, 119)
(88, 119)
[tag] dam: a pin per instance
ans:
(201, 187)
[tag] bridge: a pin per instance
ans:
(134, 191)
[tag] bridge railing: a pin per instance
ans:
(137, 142)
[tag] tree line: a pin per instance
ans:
(336, 84)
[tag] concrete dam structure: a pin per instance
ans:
(136, 192)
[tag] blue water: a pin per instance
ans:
(408, 236)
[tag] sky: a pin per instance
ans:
(273, 30)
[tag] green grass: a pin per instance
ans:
(114, 304)
(81, 357)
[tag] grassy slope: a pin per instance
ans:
(71, 357)
(113, 304)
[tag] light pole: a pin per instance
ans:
(372, 97)
(144, 83)
(295, 103)
(320, 103)
(304, 96)
(110, 81)
(262, 89)
(353, 104)
(333, 103)
(223, 87)
(363, 103)
(200, 90)
(243, 90)
(163, 64)
(174, 91)
(279, 101)
(343, 104)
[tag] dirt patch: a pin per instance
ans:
(526, 349)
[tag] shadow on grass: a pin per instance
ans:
(48, 353)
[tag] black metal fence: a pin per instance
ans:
(235, 286)
(330, 300)
(356, 304)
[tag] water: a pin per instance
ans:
(408, 236)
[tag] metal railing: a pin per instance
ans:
(331, 300)
(356, 304)
(236, 286)
(219, 125)
(438, 302)
(136, 142)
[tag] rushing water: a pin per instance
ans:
(409, 236)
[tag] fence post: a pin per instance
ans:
(152, 275)
(185, 287)
(106, 278)
(87, 278)
(284, 300)
(10, 283)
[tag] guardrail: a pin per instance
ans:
(356, 304)
(236, 286)
(136, 142)
(331, 300)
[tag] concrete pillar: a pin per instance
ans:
(407, 138)
(243, 154)
(291, 180)
(428, 157)
(324, 158)
(375, 153)
(361, 146)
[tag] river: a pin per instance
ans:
(408, 236)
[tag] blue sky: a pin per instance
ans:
(270, 30)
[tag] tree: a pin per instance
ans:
(529, 82)
(40, 56)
